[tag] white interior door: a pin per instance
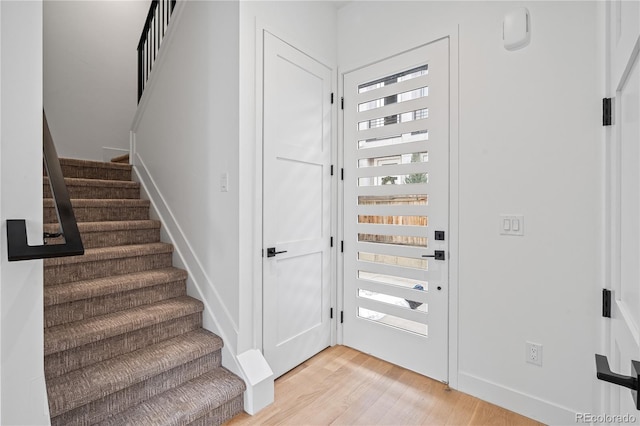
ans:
(297, 205)
(396, 209)
(623, 199)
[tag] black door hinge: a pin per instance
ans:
(341, 174)
(332, 170)
(342, 102)
(331, 313)
(341, 317)
(331, 242)
(342, 246)
(332, 98)
(606, 303)
(606, 112)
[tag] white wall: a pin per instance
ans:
(22, 389)
(528, 144)
(90, 80)
(186, 136)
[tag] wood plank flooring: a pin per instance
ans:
(341, 386)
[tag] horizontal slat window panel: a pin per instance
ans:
(400, 87)
(390, 280)
(399, 230)
(407, 293)
(393, 200)
(398, 311)
(392, 170)
(393, 130)
(391, 150)
(417, 93)
(394, 140)
(396, 271)
(392, 210)
(385, 259)
(391, 250)
(397, 108)
(376, 82)
(381, 190)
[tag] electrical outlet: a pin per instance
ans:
(533, 353)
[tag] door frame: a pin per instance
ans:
(258, 227)
(452, 33)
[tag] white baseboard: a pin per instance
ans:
(519, 402)
(251, 369)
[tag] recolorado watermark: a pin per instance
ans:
(605, 418)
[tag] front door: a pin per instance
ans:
(296, 204)
(623, 202)
(396, 209)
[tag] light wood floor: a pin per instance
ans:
(341, 386)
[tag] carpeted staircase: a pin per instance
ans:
(123, 343)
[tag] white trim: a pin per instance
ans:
(533, 407)
(601, 393)
(454, 201)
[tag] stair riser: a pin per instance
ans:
(64, 362)
(93, 192)
(88, 308)
(95, 173)
(99, 410)
(100, 214)
(88, 270)
(221, 414)
(115, 238)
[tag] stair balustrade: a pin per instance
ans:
(155, 28)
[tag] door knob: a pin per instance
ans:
(604, 373)
(437, 255)
(271, 252)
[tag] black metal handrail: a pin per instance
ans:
(155, 27)
(17, 246)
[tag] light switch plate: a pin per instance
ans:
(511, 224)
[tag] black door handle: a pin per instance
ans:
(271, 252)
(438, 255)
(604, 373)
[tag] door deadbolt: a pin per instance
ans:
(437, 255)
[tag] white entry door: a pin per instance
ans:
(396, 209)
(297, 205)
(623, 204)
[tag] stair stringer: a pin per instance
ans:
(251, 365)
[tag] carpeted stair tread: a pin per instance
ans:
(93, 164)
(96, 381)
(109, 226)
(71, 335)
(81, 188)
(108, 253)
(112, 233)
(60, 363)
(95, 169)
(184, 404)
(97, 210)
(80, 290)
